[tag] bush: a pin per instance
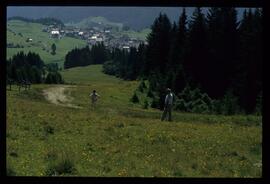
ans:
(188, 106)
(63, 166)
(109, 68)
(201, 108)
(196, 94)
(150, 94)
(48, 129)
(186, 94)
(135, 98)
(217, 106)
(230, 104)
(146, 104)
(180, 105)
(206, 99)
(54, 78)
(194, 101)
(142, 86)
(155, 103)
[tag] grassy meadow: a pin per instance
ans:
(19, 31)
(119, 138)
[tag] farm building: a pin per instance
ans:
(29, 40)
(55, 34)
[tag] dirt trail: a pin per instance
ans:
(57, 96)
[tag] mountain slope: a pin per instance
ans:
(94, 21)
(119, 138)
(19, 31)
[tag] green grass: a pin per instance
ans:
(40, 40)
(119, 138)
(141, 35)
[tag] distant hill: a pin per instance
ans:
(19, 31)
(134, 17)
(96, 21)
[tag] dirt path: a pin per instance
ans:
(57, 96)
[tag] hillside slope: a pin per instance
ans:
(119, 138)
(19, 31)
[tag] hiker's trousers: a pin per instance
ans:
(167, 112)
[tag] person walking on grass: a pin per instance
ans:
(168, 105)
(94, 97)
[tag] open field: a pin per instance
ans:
(119, 138)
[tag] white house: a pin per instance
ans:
(80, 33)
(55, 34)
(93, 37)
(29, 40)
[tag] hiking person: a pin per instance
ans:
(168, 105)
(94, 96)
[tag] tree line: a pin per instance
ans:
(45, 21)
(212, 54)
(125, 64)
(30, 67)
(98, 54)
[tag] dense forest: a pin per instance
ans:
(31, 68)
(98, 54)
(213, 61)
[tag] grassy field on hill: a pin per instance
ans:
(19, 31)
(142, 35)
(119, 138)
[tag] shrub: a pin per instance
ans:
(150, 94)
(146, 104)
(194, 101)
(109, 68)
(155, 103)
(13, 154)
(135, 98)
(196, 94)
(201, 108)
(63, 166)
(180, 105)
(206, 99)
(48, 129)
(186, 94)
(142, 86)
(230, 104)
(189, 106)
(54, 78)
